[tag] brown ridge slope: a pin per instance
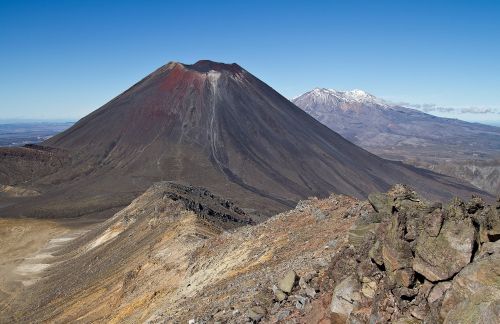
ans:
(217, 126)
(157, 261)
(154, 258)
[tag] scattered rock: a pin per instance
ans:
(300, 301)
(318, 214)
(303, 205)
(256, 313)
(302, 283)
(369, 288)
(279, 295)
(283, 314)
(332, 244)
(310, 292)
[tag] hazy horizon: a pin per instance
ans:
(65, 59)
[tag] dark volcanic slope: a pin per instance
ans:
(217, 126)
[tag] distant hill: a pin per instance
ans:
(470, 151)
(21, 133)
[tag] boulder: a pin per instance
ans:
(486, 249)
(438, 291)
(396, 252)
(407, 320)
(359, 233)
(478, 276)
(482, 307)
(439, 258)
(433, 222)
(456, 209)
(404, 277)
(414, 263)
(375, 253)
(310, 292)
(474, 205)
(287, 282)
(345, 296)
(278, 294)
(489, 224)
(380, 202)
(369, 288)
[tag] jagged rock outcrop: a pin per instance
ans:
(204, 203)
(424, 263)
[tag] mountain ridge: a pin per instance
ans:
(216, 126)
(461, 149)
(355, 95)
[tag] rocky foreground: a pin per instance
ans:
(180, 254)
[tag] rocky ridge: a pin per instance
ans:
(420, 262)
(406, 260)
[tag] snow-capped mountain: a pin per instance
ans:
(329, 96)
(406, 134)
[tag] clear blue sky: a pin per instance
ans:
(63, 59)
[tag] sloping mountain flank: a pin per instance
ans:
(216, 126)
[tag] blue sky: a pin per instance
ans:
(64, 59)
